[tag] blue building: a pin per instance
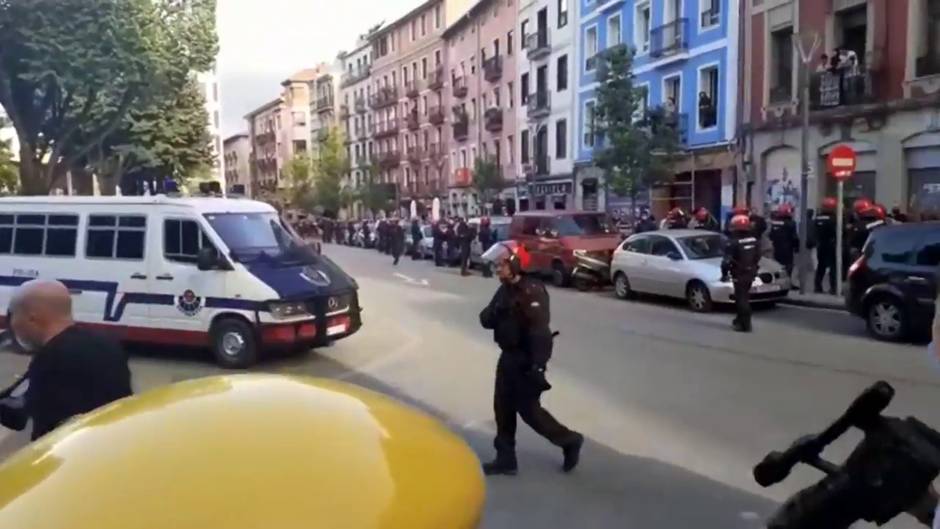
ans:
(686, 59)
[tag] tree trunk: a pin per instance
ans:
(82, 181)
(32, 181)
(107, 185)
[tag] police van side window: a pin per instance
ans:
(38, 234)
(182, 240)
(116, 237)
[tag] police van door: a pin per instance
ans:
(174, 274)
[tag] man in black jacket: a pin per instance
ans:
(395, 234)
(416, 236)
(73, 371)
(740, 265)
(519, 317)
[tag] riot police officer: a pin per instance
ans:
(676, 219)
(867, 219)
(437, 232)
(395, 239)
(825, 229)
(416, 237)
(519, 317)
(704, 220)
(742, 256)
(463, 234)
(784, 236)
(486, 240)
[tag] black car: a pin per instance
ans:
(893, 285)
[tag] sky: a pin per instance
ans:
(262, 42)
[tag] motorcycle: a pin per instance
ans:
(590, 271)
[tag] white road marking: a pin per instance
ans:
(411, 280)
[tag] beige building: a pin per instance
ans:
(324, 105)
(237, 158)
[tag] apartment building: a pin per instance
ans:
(264, 127)
(874, 85)
(407, 87)
(545, 115)
(324, 105)
(354, 117)
(237, 158)
(481, 65)
(686, 62)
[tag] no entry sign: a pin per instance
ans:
(841, 162)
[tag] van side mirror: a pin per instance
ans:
(208, 259)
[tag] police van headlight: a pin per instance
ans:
(284, 310)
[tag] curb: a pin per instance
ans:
(797, 302)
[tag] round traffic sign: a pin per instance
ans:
(842, 162)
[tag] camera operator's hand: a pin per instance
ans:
(925, 509)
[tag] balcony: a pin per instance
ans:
(493, 119)
(356, 75)
(539, 104)
(344, 111)
(386, 128)
(412, 120)
(493, 69)
(325, 104)
(384, 97)
(461, 126)
(535, 169)
(842, 88)
(415, 155)
(436, 81)
(435, 151)
(537, 45)
(436, 115)
(412, 89)
(662, 121)
(670, 39)
(389, 159)
(460, 87)
(360, 105)
(323, 135)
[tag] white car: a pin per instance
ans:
(499, 226)
(686, 264)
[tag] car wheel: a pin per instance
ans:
(560, 276)
(886, 319)
(234, 343)
(622, 287)
(698, 297)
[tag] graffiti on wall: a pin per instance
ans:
(782, 179)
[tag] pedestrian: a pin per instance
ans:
(825, 231)
(784, 236)
(437, 232)
(73, 370)
(740, 264)
(519, 316)
(464, 236)
(486, 240)
(395, 234)
(416, 236)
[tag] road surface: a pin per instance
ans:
(676, 408)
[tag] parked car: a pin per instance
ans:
(553, 238)
(426, 244)
(893, 285)
(500, 228)
(686, 264)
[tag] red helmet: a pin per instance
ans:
(860, 205)
(785, 210)
(676, 213)
(740, 223)
(830, 204)
(701, 214)
(485, 220)
(740, 210)
(876, 211)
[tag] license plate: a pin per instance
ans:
(767, 288)
(333, 330)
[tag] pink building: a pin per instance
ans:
(481, 98)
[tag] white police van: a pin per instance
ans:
(224, 273)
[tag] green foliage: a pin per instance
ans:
(487, 177)
(636, 148)
(374, 196)
(298, 173)
(9, 172)
(72, 70)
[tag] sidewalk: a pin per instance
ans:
(822, 301)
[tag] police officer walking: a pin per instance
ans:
(395, 234)
(486, 240)
(464, 236)
(742, 256)
(519, 317)
(784, 236)
(825, 229)
(416, 237)
(437, 232)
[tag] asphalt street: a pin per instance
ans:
(675, 406)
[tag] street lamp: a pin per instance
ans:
(807, 52)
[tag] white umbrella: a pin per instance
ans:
(436, 210)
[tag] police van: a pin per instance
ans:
(228, 274)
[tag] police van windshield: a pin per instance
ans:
(255, 236)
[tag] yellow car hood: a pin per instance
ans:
(246, 452)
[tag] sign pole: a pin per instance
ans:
(839, 216)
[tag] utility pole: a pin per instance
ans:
(806, 58)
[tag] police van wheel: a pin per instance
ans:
(234, 343)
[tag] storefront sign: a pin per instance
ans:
(561, 188)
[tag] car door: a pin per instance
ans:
(549, 246)
(922, 280)
(177, 242)
(664, 273)
(526, 236)
(632, 260)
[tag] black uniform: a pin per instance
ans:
(395, 234)
(437, 231)
(759, 225)
(519, 317)
(742, 257)
(416, 237)
(645, 225)
(785, 240)
(464, 236)
(858, 235)
(825, 232)
(710, 224)
(365, 235)
(486, 240)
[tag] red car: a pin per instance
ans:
(555, 240)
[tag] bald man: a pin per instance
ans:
(73, 370)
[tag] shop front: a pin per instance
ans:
(552, 195)
(922, 156)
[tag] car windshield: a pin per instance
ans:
(584, 224)
(427, 231)
(705, 246)
(254, 236)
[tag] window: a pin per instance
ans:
(36, 234)
(215, 91)
(590, 48)
(781, 65)
(524, 146)
(711, 13)
(437, 16)
(437, 58)
(562, 13)
(639, 245)
(708, 97)
(561, 139)
(300, 119)
(530, 225)
(509, 42)
(928, 43)
(414, 28)
(662, 246)
(424, 67)
(929, 254)
(562, 74)
(897, 249)
(672, 93)
(524, 89)
(641, 29)
(613, 31)
(588, 138)
(182, 240)
(511, 148)
(644, 102)
(116, 237)
(522, 32)
(424, 25)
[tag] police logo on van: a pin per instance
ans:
(189, 303)
(316, 277)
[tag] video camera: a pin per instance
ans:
(889, 472)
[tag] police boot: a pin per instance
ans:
(739, 326)
(504, 465)
(572, 453)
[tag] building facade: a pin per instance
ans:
(686, 62)
(481, 99)
(237, 163)
(880, 94)
(324, 105)
(266, 162)
(354, 116)
(547, 69)
(209, 86)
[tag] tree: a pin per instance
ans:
(374, 195)
(636, 146)
(71, 71)
(329, 169)
(300, 182)
(9, 172)
(488, 178)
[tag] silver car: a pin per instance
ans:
(499, 227)
(686, 264)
